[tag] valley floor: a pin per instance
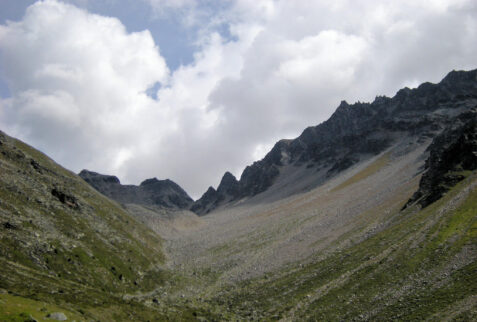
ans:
(344, 250)
(249, 240)
(399, 265)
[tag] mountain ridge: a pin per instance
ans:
(150, 192)
(353, 131)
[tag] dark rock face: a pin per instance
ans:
(357, 130)
(228, 185)
(453, 151)
(229, 189)
(206, 203)
(165, 193)
(67, 199)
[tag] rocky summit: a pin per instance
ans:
(228, 190)
(151, 192)
(354, 133)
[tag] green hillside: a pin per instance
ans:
(63, 243)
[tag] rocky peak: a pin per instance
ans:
(228, 179)
(228, 185)
(360, 130)
(380, 100)
(206, 203)
(229, 189)
(455, 77)
(211, 191)
(342, 107)
(149, 182)
(164, 193)
(403, 93)
(90, 176)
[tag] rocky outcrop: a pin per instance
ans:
(451, 154)
(228, 189)
(154, 192)
(229, 186)
(67, 199)
(206, 203)
(357, 131)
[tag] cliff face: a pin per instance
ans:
(228, 190)
(164, 193)
(357, 130)
(451, 153)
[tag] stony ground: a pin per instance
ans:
(344, 250)
(251, 239)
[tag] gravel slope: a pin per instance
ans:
(262, 235)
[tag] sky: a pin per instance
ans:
(187, 90)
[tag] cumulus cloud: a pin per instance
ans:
(78, 83)
(263, 70)
(166, 4)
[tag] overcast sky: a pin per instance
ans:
(187, 90)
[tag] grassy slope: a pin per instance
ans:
(15, 308)
(422, 266)
(82, 255)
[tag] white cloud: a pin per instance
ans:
(166, 4)
(78, 80)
